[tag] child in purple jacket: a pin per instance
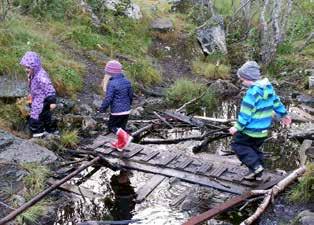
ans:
(118, 97)
(41, 93)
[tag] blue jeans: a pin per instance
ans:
(247, 150)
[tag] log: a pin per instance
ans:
(211, 119)
(141, 130)
(163, 119)
(273, 192)
(169, 141)
(41, 195)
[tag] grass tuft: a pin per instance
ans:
(70, 138)
(304, 190)
(210, 70)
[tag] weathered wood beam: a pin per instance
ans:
(41, 195)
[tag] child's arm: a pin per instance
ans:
(108, 98)
(246, 111)
(279, 108)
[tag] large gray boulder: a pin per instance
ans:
(212, 36)
(224, 88)
(130, 9)
(12, 88)
(162, 25)
(306, 217)
(18, 150)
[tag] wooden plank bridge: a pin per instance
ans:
(217, 173)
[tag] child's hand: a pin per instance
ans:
(286, 121)
(233, 130)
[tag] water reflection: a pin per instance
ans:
(124, 196)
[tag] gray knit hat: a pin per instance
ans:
(249, 71)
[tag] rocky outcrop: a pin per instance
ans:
(224, 88)
(306, 217)
(12, 88)
(162, 25)
(18, 150)
(211, 36)
(130, 9)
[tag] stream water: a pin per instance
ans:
(161, 207)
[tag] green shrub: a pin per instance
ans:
(210, 70)
(304, 190)
(31, 215)
(70, 138)
(183, 91)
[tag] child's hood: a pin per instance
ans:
(263, 88)
(31, 60)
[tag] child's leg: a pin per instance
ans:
(245, 152)
(46, 115)
(35, 126)
(117, 121)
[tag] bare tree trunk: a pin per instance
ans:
(264, 34)
(276, 21)
(285, 18)
(246, 12)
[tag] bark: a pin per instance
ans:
(276, 22)
(265, 42)
(246, 12)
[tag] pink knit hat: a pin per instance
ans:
(113, 67)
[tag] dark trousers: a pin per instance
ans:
(247, 150)
(44, 122)
(117, 121)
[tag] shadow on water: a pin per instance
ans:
(161, 206)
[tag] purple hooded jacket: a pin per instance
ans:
(40, 86)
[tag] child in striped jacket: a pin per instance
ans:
(255, 118)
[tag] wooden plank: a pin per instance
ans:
(166, 159)
(185, 163)
(217, 171)
(105, 151)
(184, 176)
(76, 190)
(187, 119)
(180, 198)
(147, 188)
(204, 168)
(134, 151)
(99, 141)
(149, 156)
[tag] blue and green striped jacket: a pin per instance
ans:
(257, 107)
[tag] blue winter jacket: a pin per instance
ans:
(257, 108)
(119, 95)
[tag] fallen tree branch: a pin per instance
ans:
(272, 193)
(41, 195)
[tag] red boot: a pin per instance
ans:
(124, 139)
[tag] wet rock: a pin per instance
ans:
(6, 139)
(25, 151)
(11, 177)
(88, 123)
(306, 217)
(85, 109)
(212, 37)
(224, 88)
(150, 101)
(137, 111)
(97, 101)
(129, 9)
(306, 99)
(311, 81)
(162, 25)
(88, 9)
(12, 88)
(65, 106)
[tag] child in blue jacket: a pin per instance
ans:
(255, 118)
(118, 97)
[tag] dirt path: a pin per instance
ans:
(92, 77)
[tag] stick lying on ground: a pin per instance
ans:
(108, 222)
(270, 194)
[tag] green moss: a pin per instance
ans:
(304, 190)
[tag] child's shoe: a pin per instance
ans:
(39, 135)
(124, 139)
(256, 174)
